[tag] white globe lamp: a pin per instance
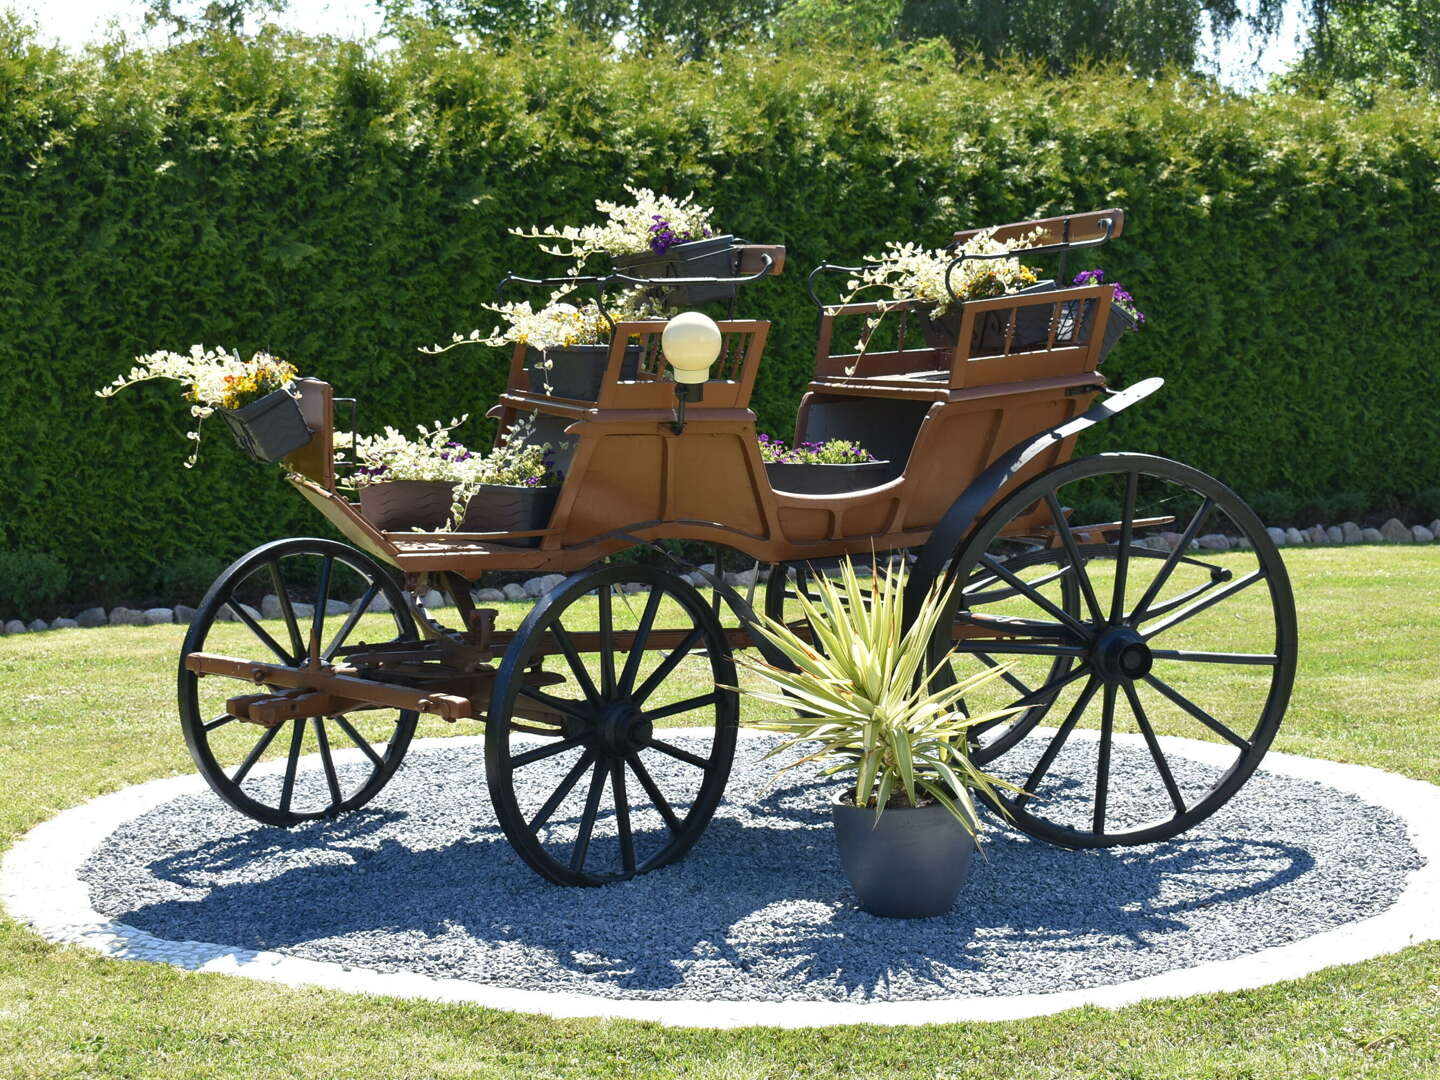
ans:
(691, 342)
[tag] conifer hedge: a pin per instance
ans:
(341, 209)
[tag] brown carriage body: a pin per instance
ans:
(631, 475)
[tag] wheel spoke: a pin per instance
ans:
(1102, 762)
(558, 795)
(287, 791)
(261, 745)
(1200, 605)
(1175, 603)
(1197, 522)
(991, 662)
(680, 755)
(657, 797)
(1161, 765)
(542, 752)
(1062, 526)
(219, 722)
(1057, 742)
(356, 614)
(355, 737)
(322, 597)
(1197, 712)
(606, 626)
(622, 815)
(283, 598)
(1050, 689)
(1190, 656)
(684, 706)
(1122, 556)
(587, 819)
(570, 708)
(667, 665)
(332, 781)
(261, 633)
(1039, 599)
(980, 599)
(577, 665)
(642, 635)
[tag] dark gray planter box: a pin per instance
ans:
(507, 508)
(268, 429)
(827, 479)
(715, 256)
(1032, 327)
(576, 371)
(399, 505)
(1117, 326)
(909, 863)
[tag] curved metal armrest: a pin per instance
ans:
(766, 259)
(827, 268)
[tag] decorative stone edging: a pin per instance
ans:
(39, 885)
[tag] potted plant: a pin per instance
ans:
(906, 825)
(405, 483)
(567, 346)
(654, 237)
(435, 484)
(511, 489)
(256, 397)
(909, 272)
(1124, 315)
(815, 468)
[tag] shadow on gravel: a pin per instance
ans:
(760, 908)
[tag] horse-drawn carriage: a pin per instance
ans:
(1068, 573)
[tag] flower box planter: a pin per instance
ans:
(810, 479)
(1120, 323)
(909, 863)
(1032, 326)
(270, 428)
(576, 371)
(714, 256)
(507, 508)
(399, 505)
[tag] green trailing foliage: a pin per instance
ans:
(341, 210)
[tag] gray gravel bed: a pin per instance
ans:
(423, 880)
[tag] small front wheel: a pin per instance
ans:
(276, 605)
(586, 781)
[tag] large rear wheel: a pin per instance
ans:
(1129, 598)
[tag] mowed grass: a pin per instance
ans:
(85, 712)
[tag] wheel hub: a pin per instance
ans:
(1120, 654)
(620, 728)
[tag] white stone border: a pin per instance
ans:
(40, 886)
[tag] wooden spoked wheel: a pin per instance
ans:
(258, 770)
(1121, 635)
(586, 783)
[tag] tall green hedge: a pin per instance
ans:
(342, 209)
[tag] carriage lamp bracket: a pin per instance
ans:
(685, 392)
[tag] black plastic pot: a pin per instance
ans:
(398, 505)
(827, 479)
(1032, 326)
(715, 256)
(270, 428)
(576, 371)
(909, 863)
(507, 508)
(1117, 326)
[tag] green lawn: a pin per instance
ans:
(85, 712)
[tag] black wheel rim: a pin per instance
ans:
(617, 797)
(259, 771)
(1122, 639)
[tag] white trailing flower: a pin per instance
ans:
(212, 379)
(651, 224)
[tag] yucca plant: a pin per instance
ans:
(863, 693)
